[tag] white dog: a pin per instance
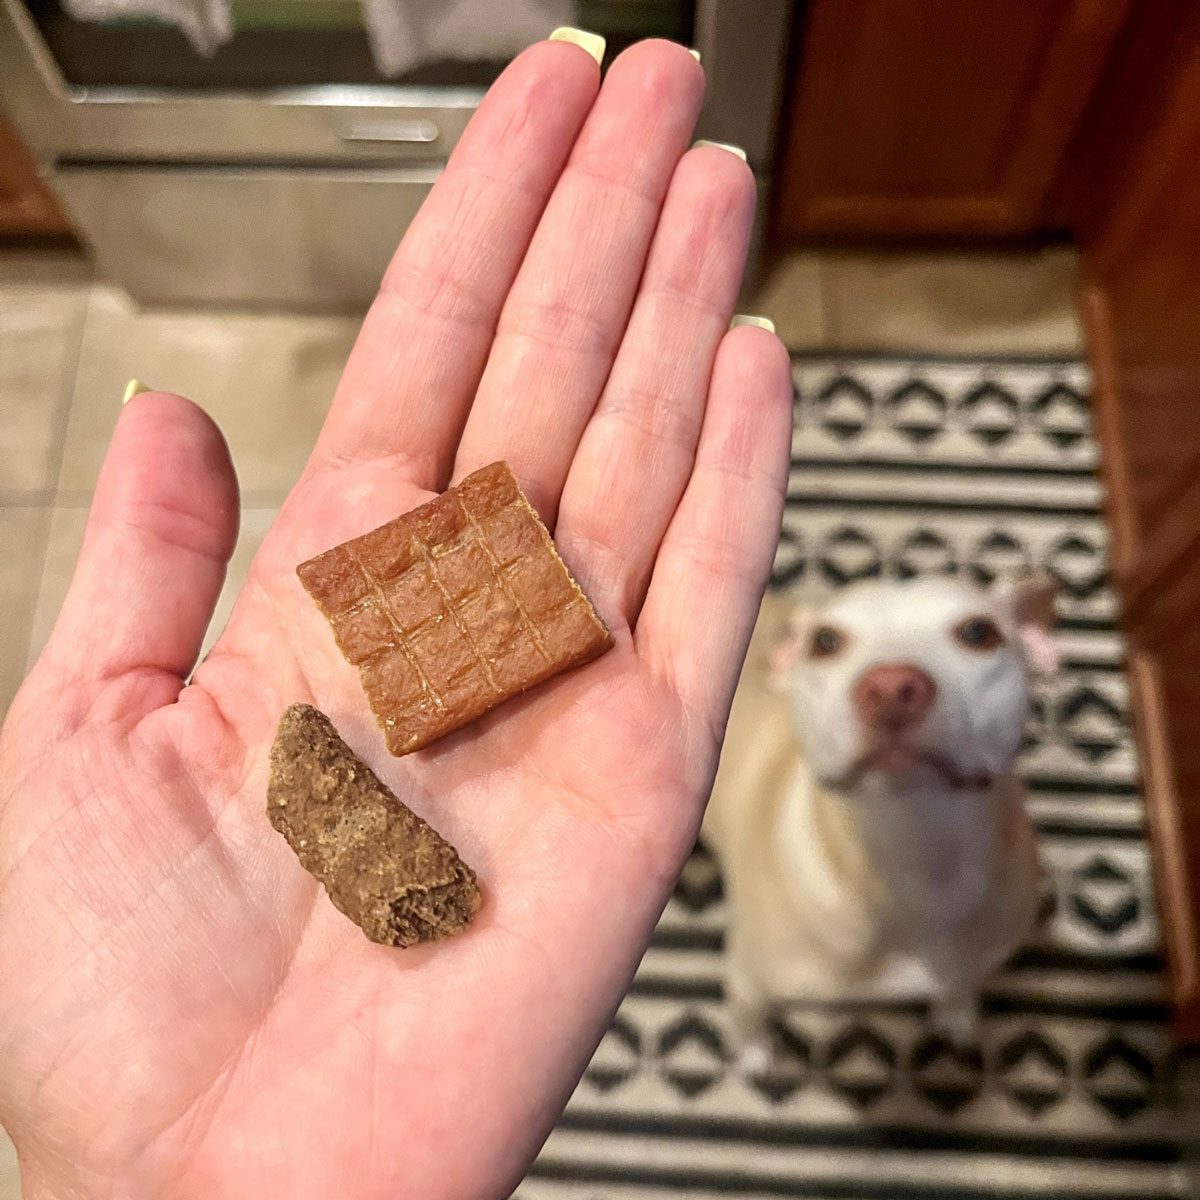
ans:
(873, 840)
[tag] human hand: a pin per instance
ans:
(182, 1011)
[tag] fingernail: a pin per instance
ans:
(135, 387)
(722, 146)
(758, 322)
(695, 54)
(593, 43)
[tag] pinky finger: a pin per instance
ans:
(714, 561)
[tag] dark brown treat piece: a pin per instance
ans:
(385, 868)
(453, 608)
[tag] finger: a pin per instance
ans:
(716, 555)
(639, 447)
(564, 319)
(163, 524)
(415, 366)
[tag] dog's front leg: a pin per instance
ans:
(749, 1011)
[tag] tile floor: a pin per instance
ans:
(69, 344)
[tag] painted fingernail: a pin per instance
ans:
(135, 387)
(758, 322)
(695, 54)
(593, 43)
(722, 146)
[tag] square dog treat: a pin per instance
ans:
(454, 608)
(385, 868)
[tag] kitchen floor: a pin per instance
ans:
(69, 344)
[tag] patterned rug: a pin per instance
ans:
(903, 467)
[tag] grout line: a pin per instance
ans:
(81, 498)
(68, 390)
(35, 594)
(47, 497)
(27, 499)
(72, 498)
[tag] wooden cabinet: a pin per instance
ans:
(917, 118)
(1137, 204)
(1005, 118)
(26, 206)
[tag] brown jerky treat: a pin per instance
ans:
(454, 608)
(385, 868)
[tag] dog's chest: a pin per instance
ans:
(931, 848)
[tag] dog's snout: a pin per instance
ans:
(894, 696)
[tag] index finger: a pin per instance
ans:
(413, 372)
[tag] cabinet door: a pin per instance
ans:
(936, 117)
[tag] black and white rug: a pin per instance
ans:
(901, 467)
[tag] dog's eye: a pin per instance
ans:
(825, 642)
(979, 633)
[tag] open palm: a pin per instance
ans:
(182, 1011)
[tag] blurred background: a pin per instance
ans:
(979, 233)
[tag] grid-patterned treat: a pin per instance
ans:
(385, 868)
(454, 608)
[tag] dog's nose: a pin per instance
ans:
(893, 696)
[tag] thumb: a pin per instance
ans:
(162, 526)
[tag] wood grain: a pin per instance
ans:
(1139, 217)
(937, 117)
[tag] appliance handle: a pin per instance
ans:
(409, 133)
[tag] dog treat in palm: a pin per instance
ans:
(385, 868)
(454, 608)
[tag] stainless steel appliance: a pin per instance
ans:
(282, 170)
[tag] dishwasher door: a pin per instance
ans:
(283, 170)
(298, 238)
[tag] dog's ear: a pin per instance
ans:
(789, 645)
(1029, 600)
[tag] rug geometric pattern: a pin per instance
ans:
(905, 467)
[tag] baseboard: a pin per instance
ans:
(1181, 938)
(1106, 421)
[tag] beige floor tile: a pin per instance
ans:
(791, 294)
(62, 548)
(42, 299)
(255, 523)
(954, 303)
(66, 536)
(23, 536)
(10, 1178)
(267, 378)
